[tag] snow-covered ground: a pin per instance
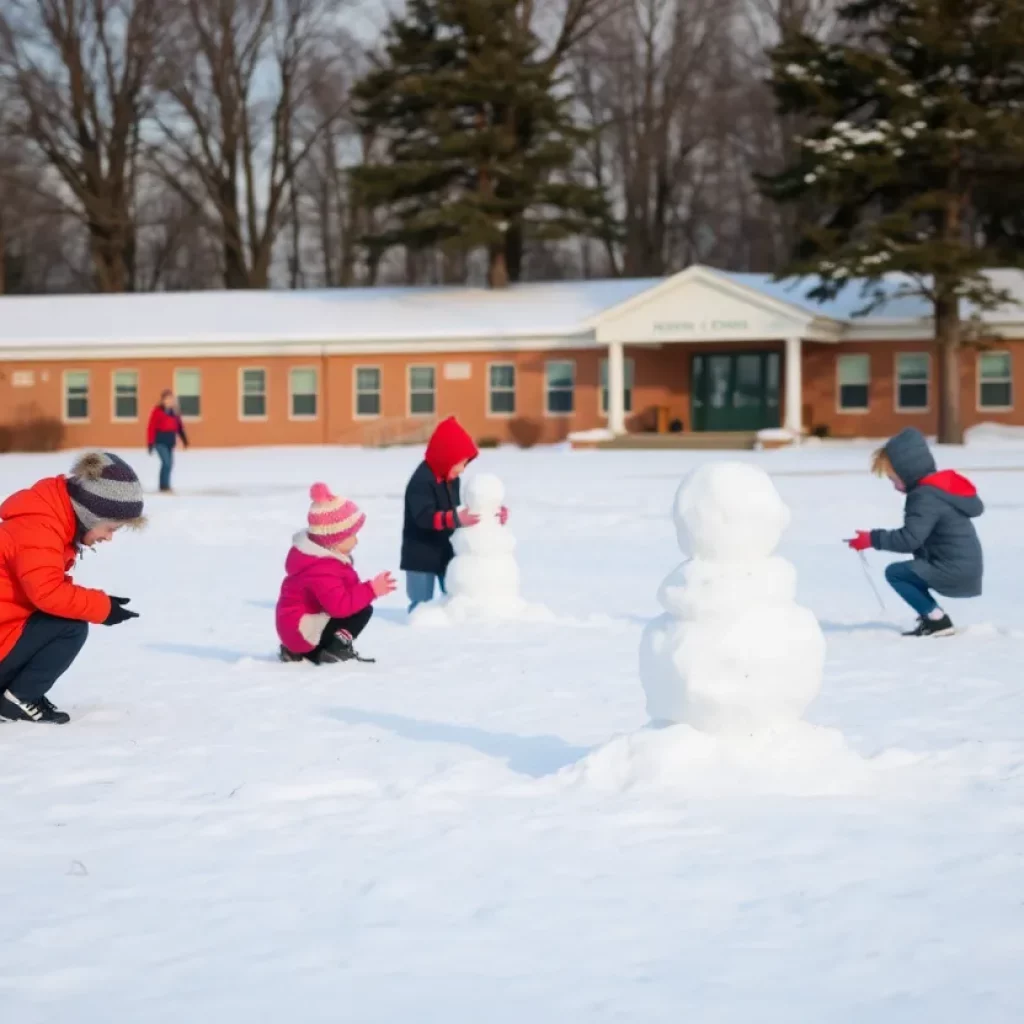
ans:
(472, 830)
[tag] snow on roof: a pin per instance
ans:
(325, 315)
(339, 315)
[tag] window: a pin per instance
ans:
(629, 375)
(995, 380)
(561, 379)
(126, 395)
(302, 386)
(501, 389)
(187, 388)
(368, 389)
(421, 391)
(254, 394)
(76, 395)
(854, 376)
(912, 370)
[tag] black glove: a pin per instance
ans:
(118, 612)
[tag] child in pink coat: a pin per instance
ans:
(324, 605)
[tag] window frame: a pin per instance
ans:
(177, 392)
(547, 390)
(857, 410)
(979, 407)
(293, 416)
(408, 390)
(513, 391)
(243, 418)
(87, 418)
(114, 418)
(917, 410)
(627, 389)
(356, 414)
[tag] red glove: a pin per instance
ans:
(862, 541)
(503, 515)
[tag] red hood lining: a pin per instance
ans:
(951, 482)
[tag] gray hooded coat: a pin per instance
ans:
(937, 528)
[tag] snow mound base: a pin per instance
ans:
(798, 759)
(458, 609)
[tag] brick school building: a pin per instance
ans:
(701, 351)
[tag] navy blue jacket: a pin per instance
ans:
(937, 528)
(432, 501)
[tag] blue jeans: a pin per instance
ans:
(910, 587)
(419, 586)
(166, 453)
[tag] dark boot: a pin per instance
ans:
(932, 627)
(339, 648)
(40, 711)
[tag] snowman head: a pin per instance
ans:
(729, 512)
(484, 494)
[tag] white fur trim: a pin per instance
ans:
(301, 542)
(312, 627)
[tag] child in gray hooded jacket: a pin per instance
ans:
(937, 530)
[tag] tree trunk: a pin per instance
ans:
(947, 339)
(497, 269)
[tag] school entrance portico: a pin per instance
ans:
(743, 349)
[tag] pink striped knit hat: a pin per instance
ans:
(331, 519)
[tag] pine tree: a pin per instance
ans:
(475, 135)
(918, 118)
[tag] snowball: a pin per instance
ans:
(702, 588)
(729, 511)
(483, 579)
(484, 494)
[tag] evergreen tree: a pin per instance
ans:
(918, 120)
(476, 141)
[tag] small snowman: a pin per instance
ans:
(482, 580)
(733, 651)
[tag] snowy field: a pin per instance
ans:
(467, 832)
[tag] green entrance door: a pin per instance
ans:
(735, 391)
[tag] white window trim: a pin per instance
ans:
(177, 395)
(242, 370)
(842, 409)
(602, 405)
(64, 398)
(356, 414)
(548, 414)
(304, 418)
(489, 413)
(915, 410)
(408, 391)
(114, 418)
(977, 373)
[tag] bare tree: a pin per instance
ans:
(77, 74)
(239, 76)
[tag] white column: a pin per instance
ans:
(794, 386)
(616, 388)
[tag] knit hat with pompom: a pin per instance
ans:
(103, 488)
(332, 519)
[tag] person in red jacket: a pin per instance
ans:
(165, 427)
(44, 617)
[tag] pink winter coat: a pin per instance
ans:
(319, 585)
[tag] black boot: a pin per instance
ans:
(290, 656)
(339, 648)
(932, 627)
(41, 711)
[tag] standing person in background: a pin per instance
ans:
(165, 427)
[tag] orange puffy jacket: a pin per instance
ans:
(37, 551)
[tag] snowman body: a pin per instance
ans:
(734, 651)
(484, 571)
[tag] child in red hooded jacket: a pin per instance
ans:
(324, 605)
(432, 512)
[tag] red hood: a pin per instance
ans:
(951, 482)
(448, 445)
(48, 499)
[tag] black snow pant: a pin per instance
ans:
(43, 653)
(353, 625)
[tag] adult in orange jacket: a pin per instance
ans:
(44, 616)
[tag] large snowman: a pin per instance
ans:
(483, 578)
(733, 651)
